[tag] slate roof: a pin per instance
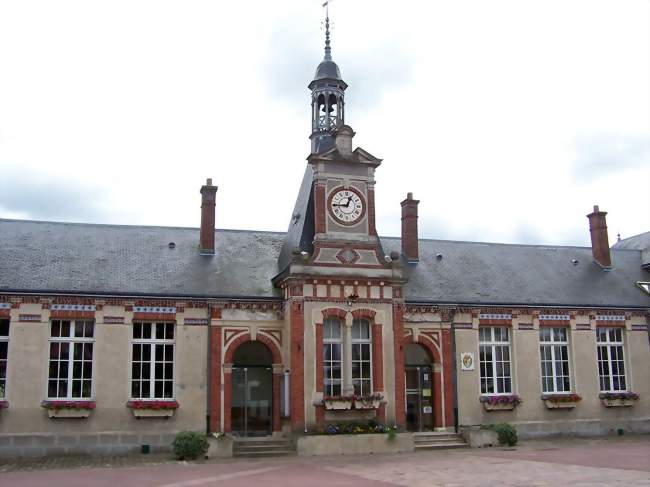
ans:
(136, 260)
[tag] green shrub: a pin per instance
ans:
(190, 445)
(506, 434)
(392, 434)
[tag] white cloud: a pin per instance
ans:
(474, 106)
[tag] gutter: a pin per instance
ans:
(140, 295)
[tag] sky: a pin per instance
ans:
(508, 120)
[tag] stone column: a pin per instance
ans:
(215, 371)
(348, 388)
(277, 375)
(227, 398)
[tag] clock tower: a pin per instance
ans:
(333, 223)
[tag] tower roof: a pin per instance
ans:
(327, 68)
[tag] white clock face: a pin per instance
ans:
(346, 206)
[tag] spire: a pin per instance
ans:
(328, 49)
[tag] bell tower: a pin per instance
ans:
(327, 100)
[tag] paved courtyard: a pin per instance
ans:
(612, 461)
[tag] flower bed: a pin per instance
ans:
(338, 403)
(618, 399)
(561, 401)
(68, 409)
(500, 403)
(354, 428)
(152, 409)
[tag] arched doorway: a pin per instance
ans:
(252, 390)
(419, 388)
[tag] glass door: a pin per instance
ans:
(251, 401)
(419, 398)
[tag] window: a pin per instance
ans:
(494, 353)
(4, 346)
(554, 353)
(152, 362)
(361, 361)
(71, 359)
(611, 365)
(332, 356)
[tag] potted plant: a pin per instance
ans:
(618, 399)
(500, 403)
(338, 402)
(152, 409)
(561, 401)
(68, 409)
(371, 401)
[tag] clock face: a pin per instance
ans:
(346, 206)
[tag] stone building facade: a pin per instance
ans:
(113, 337)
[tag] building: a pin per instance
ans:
(113, 337)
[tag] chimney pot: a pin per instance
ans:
(208, 196)
(410, 228)
(599, 238)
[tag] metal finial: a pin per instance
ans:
(328, 49)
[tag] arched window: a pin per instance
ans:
(361, 357)
(332, 356)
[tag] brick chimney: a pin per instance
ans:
(599, 239)
(410, 228)
(208, 196)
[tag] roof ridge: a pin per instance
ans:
(118, 225)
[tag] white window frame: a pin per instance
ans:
(329, 382)
(71, 339)
(151, 363)
(555, 346)
(3, 380)
(360, 343)
(610, 344)
(493, 345)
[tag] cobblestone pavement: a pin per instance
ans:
(611, 461)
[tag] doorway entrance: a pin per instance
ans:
(252, 390)
(419, 389)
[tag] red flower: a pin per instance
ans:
(68, 405)
(157, 405)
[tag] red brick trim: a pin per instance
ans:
(554, 323)
(228, 357)
(296, 348)
(334, 313)
(4, 313)
(495, 323)
(215, 373)
(72, 315)
(400, 391)
(447, 357)
(215, 313)
(154, 316)
(364, 313)
(319, 206)
(610, 324)
(372, 230)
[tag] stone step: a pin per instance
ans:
(265, 454)
(262, 443)
(428, 439)
(440, 446)
(263, 448)
(439, 440)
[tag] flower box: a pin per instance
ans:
(152, 409)
(500, 403)
(561, 401)
(373, 401)
(338, 403)
(370, 404)
(617, 403)
(68, 409)
(558, 405)
(3, 404)
(618, 399)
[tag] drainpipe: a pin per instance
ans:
(209, 374)
(452, 313)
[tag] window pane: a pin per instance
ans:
(89, 329)
(79, 329)
(169, 353)
(135, 388)
(56, 329)
(169, 392)
(137, 330)
(65, 329)
(4, 328)
(146, 330)
(160, 331)
(169, 331)
(158, 392)
(159, 353)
